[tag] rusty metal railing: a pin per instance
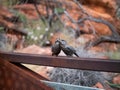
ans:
(96, 64)
(17, 77)
(14, 76)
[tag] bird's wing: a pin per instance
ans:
(71, 48)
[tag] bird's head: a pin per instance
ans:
(57, 40)
(62, 42)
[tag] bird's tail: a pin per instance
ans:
(76, 54)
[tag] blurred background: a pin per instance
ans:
(32, 26)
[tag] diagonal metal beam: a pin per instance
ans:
(94, 64)
(16, 77)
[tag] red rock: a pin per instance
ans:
(34, 49)
(99, 85)
(116, 80)
(96, 49)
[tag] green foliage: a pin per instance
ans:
(114, 85)
(114, 55)
(59, 10)
(39, 33)
(22, 17)
(36, 30)
(9, 3)
(118, 12)
(1, 29)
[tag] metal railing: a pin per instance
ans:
(14, 76)
(96, 64)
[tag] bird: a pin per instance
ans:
(67, 49)
(56, 48)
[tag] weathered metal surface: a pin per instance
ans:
(14, 78)
(64, 62)
(62, 86)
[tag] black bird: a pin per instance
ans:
(56, 48)
(68, 50)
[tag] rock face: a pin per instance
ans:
(97, 8)
(116, 79)
(34, 49)
(104, 9)
(10, 21)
